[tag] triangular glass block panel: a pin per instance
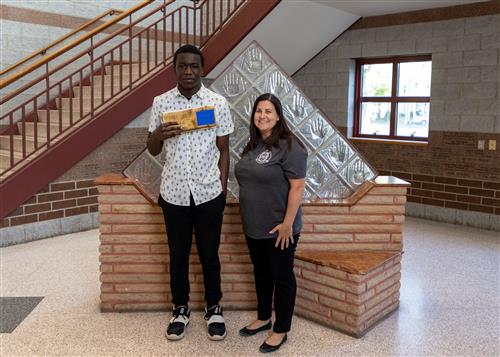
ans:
(335, 168)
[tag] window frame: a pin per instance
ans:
(394, 99)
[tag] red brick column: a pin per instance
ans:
(134, 254)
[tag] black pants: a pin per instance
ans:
(273, 270)
(206, 219)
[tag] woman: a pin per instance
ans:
(271, 175)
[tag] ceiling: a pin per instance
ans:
(364, 8)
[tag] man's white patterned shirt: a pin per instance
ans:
(191, 159)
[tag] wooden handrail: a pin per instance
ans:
(73, 44)
(42, 51)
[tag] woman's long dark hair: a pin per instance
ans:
(280, 130)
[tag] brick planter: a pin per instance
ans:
(134, 252)
(348, 291)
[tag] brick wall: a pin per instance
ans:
(134, 254)
(449, 172)
(74, 193)
(57, 200)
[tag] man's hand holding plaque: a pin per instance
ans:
(167, 130)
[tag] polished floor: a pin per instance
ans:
(449, 305)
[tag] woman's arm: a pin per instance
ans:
(285, 229)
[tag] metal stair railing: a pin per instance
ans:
(101, 68)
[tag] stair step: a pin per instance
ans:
(65, 103)
(5, 158)
(54, 116)
(126, 68)
(87, 91)
(18, 142)
(29, 128)
(97, 79)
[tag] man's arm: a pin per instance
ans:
(223, 146)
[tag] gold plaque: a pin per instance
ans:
(192, 119)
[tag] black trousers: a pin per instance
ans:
(206, 219)
(273, 271)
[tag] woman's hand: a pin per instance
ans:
(285, 235)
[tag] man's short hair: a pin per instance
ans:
(188, 49)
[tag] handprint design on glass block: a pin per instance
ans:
(296, 108)
(336, 152)
(245, 104)
(317, 173)
(356, 172)
(275, 82)
(239, 137)
(252, 62)
(231, 85)
(334, 188)
(316, 130)
(146, 171)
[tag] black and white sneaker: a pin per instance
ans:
(177, 325)
(215, 323)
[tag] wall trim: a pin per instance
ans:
(47, 229)
(453, 216)
(429, 15)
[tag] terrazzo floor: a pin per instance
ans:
(449, 305)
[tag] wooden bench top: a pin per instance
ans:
(354, 262)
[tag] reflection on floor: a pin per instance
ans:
(449, 305)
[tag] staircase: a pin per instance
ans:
(81, 101)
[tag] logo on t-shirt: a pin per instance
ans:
(264, 157)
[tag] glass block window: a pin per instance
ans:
(393, 98)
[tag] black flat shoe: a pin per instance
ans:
(265, 348)
(245, 332)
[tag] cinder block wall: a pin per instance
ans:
(451, 179)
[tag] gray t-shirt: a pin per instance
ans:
(263, 178)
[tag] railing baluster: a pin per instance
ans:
(91, 75)
(35, 124)
(130, 53)
(11, 140)
(140, 55)
(70, 101)
(186, 20)
(194, 24)
(121, 68)
(147, 50)
(220, 16)
(172, 35)
(80, 90)
(112, 75)
(59, 109)
(201, 24)
(180, 27)
(165, 37)
(102, 78)
(214, 16)
(156, 45)
(47, 103)
(23, 115)
(208, 19)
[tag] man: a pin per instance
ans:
(193, 188)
